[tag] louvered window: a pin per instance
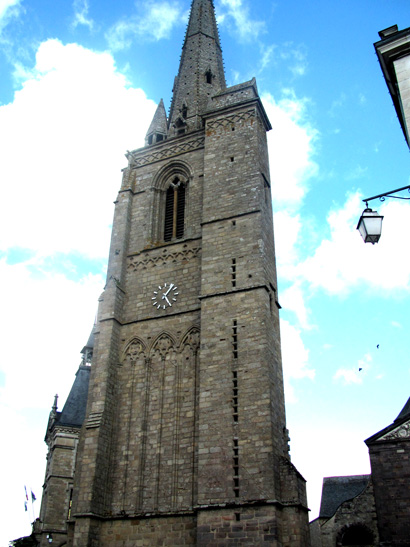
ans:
(174, 211)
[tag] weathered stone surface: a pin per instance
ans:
(185, 441)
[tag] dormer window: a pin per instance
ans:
(180, 126)
(155, 137)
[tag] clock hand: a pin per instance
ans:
(164, 297)
(170, 287)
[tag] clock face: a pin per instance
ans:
(165, 296)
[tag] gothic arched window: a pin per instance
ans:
(174, 211)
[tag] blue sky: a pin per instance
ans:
(79, 83)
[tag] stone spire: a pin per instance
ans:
(158, 129)
(201, 73)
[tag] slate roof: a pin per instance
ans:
(73, 412)
(405, 412)
(337, 490)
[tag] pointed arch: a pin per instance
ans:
(171, 202)
(191, 338)
(134, 349)
(162, 344)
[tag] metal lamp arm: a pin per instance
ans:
(383, 197)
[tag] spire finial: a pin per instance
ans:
(54, 407)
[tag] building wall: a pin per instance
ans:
(58, 484)
(359, 512)
(390, 462)
(186, 407)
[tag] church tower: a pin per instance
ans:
(184, 440)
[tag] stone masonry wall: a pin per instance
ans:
(360, 511)
(390, 462)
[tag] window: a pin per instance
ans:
(174, 211)
(208, 76)
(180, 126)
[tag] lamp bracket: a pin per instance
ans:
(382, 197)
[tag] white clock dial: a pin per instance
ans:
(165, 296)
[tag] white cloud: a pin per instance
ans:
(295, 57)
(63, 141)
(355, 374)
(343, 262)
(357, 173)
(46, 306)
(235, 14)
(155, 23)
(42, 314)
(266, 56)
(291, 149)
(287, 231)
(8, 10)
(362, 98)
(293, 299)
(295, 358)
(337, 105)
(81, 14)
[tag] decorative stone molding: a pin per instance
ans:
(166, 152)
(402, 432)
(228, 121)
(164, 343)
(133, 351)
(143, 262)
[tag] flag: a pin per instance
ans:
(25, 489)
(33, 497)
(25, 506)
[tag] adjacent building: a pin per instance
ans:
(393, 52)
(372, 510)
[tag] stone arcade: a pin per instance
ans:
(182, 439)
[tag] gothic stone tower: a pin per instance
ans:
(185, 441)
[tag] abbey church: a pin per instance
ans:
(174, 431)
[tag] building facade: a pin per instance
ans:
(184, 441)
(371, 510)
(393, 52)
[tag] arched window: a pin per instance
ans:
(174, 211)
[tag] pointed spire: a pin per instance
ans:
(54, 407)
(201, 73)
(158, 129)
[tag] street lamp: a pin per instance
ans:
(370, 223)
